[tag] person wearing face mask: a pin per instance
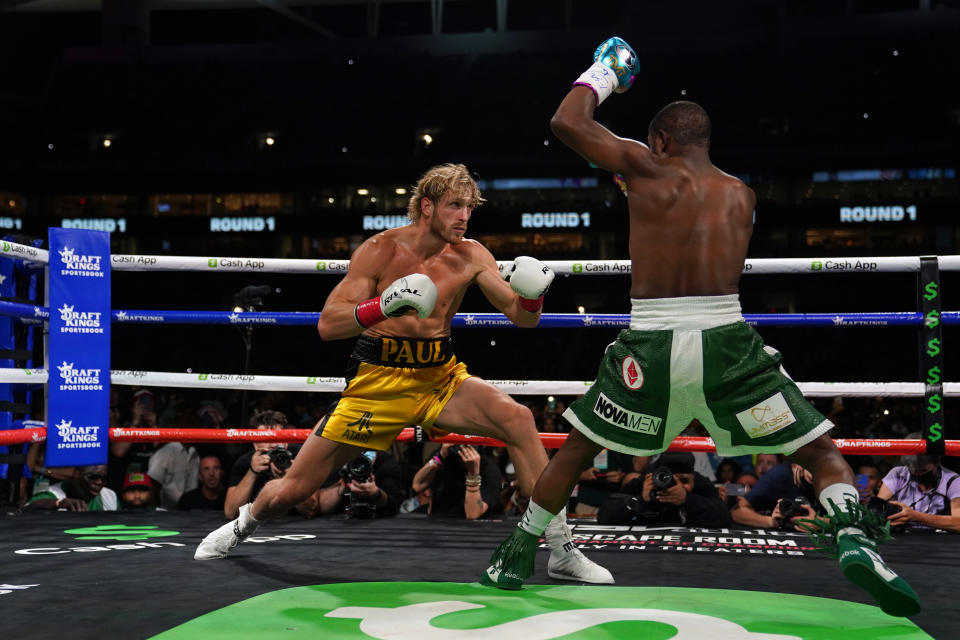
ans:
(927, 493)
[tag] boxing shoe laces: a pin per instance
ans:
(567, 562)
(851, 537)
(219, 542)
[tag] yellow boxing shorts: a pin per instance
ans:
(392, 383)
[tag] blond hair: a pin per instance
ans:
(439, 180)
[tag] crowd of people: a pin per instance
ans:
(461, 481)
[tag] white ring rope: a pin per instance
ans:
(513, 387)
(898, 264)
(124, 262)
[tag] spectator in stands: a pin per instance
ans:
(671, 492)
(463, 483)
(703, 461)
(549, 424)
(174, 468)
(371, 485)
(727, 471)
(748, 479)
(765, 462)
(44, 476)
(840, 417)
(514, 503)
(760, 507)
(138, 493)
(127, 457)
(210, 414)
(211, 493)
(602, 479)
(255, 468)
(86, 490)
(872, 485)
(552, 408)
(927, 493)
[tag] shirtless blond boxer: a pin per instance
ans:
(403, 288)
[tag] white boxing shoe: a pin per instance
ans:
(219, 542)
(566, 561)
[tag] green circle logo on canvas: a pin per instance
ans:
(453, 611)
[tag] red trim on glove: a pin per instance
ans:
(368, 312)
(531, 305)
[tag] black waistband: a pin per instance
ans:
(395, 351)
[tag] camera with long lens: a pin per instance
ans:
(281, 458)
(791, 508)
(663, 478)
(359, 470)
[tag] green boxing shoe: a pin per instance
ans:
(851, 536)
(512, 562)
(863, 566)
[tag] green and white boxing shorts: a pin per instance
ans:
(694, 358)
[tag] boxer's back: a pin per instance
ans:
(689, 230)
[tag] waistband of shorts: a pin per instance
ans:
(408, 353)
(687, 313)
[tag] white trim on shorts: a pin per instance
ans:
(686, 313)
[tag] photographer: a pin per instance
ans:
(765, 505)
(462, 482)
(670, 493)
(267, 461)
(369, 486)
(927, 493)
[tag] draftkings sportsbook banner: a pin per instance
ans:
(78, 401)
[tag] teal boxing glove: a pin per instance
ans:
(614, 69)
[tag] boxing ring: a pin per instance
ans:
(132, 574)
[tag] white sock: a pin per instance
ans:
(839, 493)
(535, 519)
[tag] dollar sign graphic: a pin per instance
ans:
(931, 291)
(933, 403)
(935, 432)
(932, 319)
(933, 375)
(933, 347)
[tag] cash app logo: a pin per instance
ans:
(452, 611)
(120, 532)
(816, 265)
(577, 267)
(212, 263)
(6, 246)
(203, 376)
(321, 266)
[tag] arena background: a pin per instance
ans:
(821, 106)
(817, 104)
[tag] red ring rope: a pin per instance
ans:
(550, 440)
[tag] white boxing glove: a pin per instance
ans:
(415, 291)
(530, 278)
